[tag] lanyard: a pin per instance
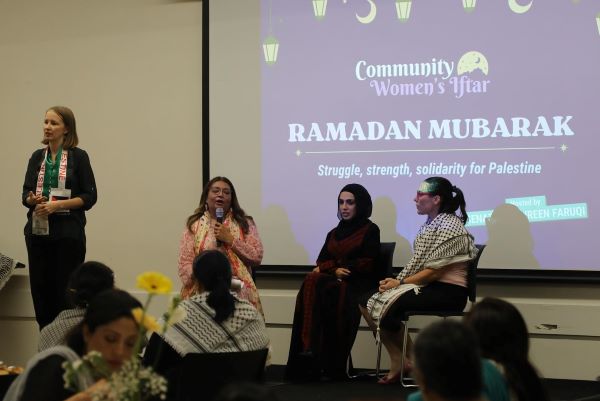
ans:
(62, 172)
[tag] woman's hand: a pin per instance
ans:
(87, 394)
(342, 272)
(46, 208)
(33, 199)
(388, 283)
(100, 385)
(223, 234)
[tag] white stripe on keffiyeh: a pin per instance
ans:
(245, 330)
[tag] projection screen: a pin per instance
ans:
(500, 97)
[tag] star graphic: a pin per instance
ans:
(298, 153)
(563, 147)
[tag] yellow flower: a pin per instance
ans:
(154, 283)
(149, 322)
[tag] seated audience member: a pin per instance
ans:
(108, 327)
(435, 278)
(87, 280)
(326, 317)
(447, 365)
(216, 320)
(503, 338)
(494, 384)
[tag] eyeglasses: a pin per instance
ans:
(217, 191)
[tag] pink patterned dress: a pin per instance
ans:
(245, 252)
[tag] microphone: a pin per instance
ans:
(219, 212)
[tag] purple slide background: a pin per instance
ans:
(541, 63)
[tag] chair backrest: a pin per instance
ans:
(472, 274)
(386, 259)
(204, 375)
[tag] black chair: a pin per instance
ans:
(386, 259)
(472, 295)
(204, 375)
(5, 382)
(385, 269)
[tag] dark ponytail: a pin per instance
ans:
(523, 380)
(450, 203)
(213, 271)
(503, 337)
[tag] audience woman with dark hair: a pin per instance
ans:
(59, 188)
(108, 327)
(447, 365)
(435, 278)
(326, 318)
(87, 280)
(233, 233)
(504, 339)
(216, 320)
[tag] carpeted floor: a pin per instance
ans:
(365, 389)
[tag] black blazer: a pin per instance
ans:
(81, 182)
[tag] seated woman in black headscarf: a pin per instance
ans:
(326, 318)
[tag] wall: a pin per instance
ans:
(131, 72)
(571, 351)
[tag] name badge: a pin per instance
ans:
(39, 225)
(57, 194)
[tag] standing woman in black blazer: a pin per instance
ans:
(59, 187)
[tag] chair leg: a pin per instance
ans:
(350, 366)
(405, 381)
(369, 373)
(378, 359)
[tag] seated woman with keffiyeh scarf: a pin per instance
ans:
(108, 327)
(233, 233)
(88, 280)
(326, 318)
(435, 278)
(216, 320)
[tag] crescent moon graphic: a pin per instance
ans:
(367, 19)
(518, 8)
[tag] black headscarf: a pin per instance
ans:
(364, 208)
